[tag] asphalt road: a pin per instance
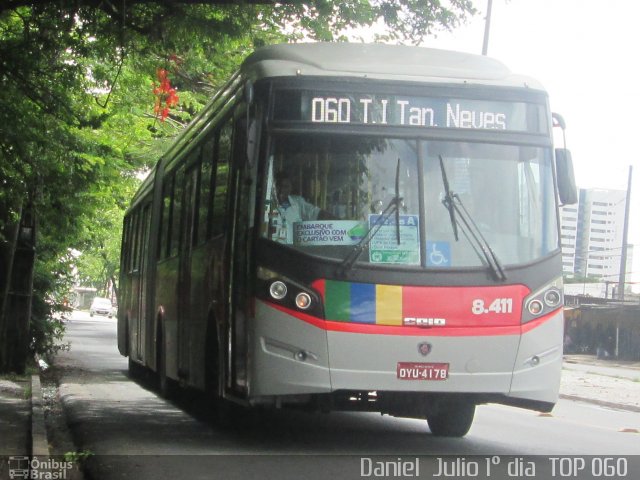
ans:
(133, 433)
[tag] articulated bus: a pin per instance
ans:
(355, 227)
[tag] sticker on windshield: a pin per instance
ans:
(328, 232)
(438, 254)
(384, 246)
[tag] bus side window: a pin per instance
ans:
(205, 190)
(165, 226)
(192, 186)
(143, 237)
(126, 245)
(134, 242)
(176, 212)
(221, 180)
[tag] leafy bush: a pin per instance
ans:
(51, 287)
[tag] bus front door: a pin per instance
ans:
(243, 192)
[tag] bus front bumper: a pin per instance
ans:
(291, 357)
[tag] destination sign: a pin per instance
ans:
(410, 111)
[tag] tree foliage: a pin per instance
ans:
(77, 125)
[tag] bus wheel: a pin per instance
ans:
(222, 412)
(166, 385)
(135, 369)
(451, 419)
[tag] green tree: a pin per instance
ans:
(77, 125)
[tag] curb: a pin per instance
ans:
(39, 443)
(46, 464)
(602, 403)
(591, 360)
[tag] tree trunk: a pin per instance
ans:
(17, 254)
(7, 251)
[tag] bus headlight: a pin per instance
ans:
(552, 297)
(535, 307)
(303, 300)
(274, 287)
(544, 301)
(278, 290)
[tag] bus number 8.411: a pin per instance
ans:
(499, 305)
(330, 110)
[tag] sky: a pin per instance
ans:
(584, 52)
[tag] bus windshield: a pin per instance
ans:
(324, 193)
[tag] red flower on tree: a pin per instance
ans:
(166, 96)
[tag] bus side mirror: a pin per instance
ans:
(567, 190)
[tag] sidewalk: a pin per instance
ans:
(593, 360)
(584, 378)
(15, 421)
(608, 383)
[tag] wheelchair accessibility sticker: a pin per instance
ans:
(438, 254)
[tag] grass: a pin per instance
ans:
(15, 377)
(31, 368)
(78, 457)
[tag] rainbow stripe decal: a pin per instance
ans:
(376, 304)
(363, 303)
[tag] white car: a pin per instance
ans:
(101, 306)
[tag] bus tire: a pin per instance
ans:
(127, 339)
(222, 412)
(167, 387)
(451, 419)
(136, 370)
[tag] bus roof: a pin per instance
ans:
(355, 60)
(379, 61)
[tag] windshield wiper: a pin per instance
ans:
(397, 201)
(394, 207)
(448, 199)
(456, 208)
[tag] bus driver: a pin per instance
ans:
(289, 209)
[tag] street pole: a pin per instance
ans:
(623, 257)
(487, 28)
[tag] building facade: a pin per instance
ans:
(592, 234)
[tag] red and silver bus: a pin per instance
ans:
(355, 227)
